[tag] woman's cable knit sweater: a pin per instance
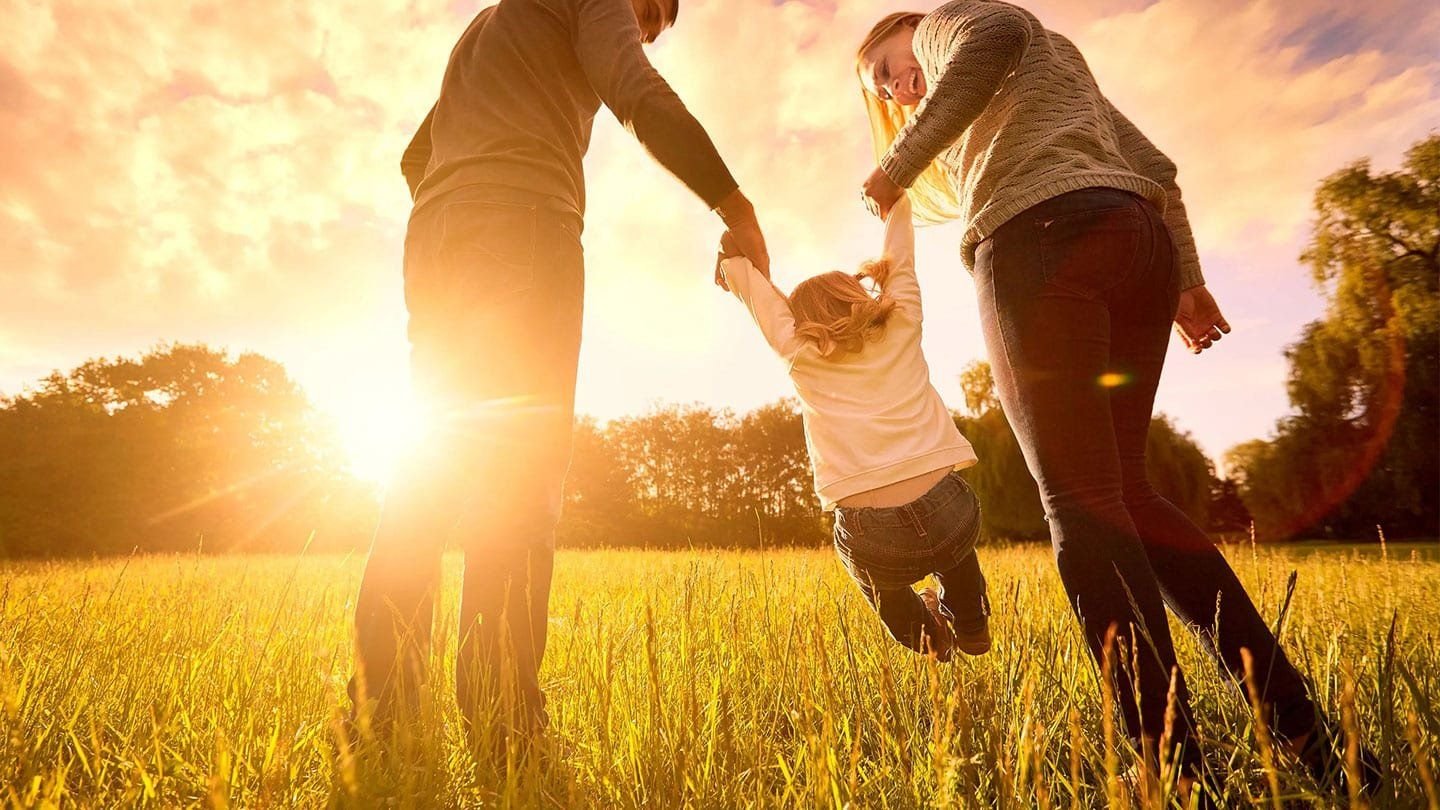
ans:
(1014, 118)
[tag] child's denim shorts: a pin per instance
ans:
(895, 547)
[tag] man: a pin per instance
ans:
(494, 280)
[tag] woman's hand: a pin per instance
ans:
(729, 249)
(880, 193)
(1198, 319)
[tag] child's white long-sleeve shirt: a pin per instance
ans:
(872, 418)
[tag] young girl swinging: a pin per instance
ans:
(884, 448)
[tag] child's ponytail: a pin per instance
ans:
(877, 270)
(837, 314)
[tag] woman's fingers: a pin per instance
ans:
(870, 205)
(1195, 340)
(879, 193)
(1200, 340)
(1198, 320)
(1184, 336)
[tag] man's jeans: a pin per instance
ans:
(888, 550)
(1077, 296)
(494, 283)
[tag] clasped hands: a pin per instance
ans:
(742, 236)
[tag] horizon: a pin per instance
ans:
(248, 189)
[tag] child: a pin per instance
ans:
(882, 444)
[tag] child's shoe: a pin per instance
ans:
(973, 637)
(942, 645)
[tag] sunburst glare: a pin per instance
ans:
(376, 431)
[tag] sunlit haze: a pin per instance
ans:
(203, 171)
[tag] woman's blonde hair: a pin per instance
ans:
(835, 312)
(932, 197)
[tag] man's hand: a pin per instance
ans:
(880, 193)
(744, 233)
(1198, 320)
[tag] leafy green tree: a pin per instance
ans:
(1179, 469)
(775, 466)
(187, 445)
(977, 383)
(599, 492)
(1359, 451)
(182, 448)
(693, 476)
(1228, 513)
(1009, 498)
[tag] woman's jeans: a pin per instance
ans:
(494, 284)
(888, 550)
(1077, 295)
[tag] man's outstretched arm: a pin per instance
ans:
(608, 44)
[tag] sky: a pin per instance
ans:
(194, 170)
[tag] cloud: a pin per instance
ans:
(1255, 103)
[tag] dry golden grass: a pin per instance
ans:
(675, 680)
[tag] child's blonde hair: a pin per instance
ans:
(837, 314)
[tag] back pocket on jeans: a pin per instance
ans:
(1090, 252)
(487, 250)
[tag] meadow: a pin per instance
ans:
(676, 679)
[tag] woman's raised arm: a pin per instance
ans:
(988, 42)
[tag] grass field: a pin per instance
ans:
(676, 680)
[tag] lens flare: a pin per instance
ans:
(376, 432)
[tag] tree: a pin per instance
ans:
(693, 476)
(1009, 498)
(775, 465)
(1360, 448)
(1228, 513)
(1179, 469)
(181, 447)
(978, 385)
(188, 443)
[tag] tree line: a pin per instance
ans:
(700, 476)
(187, 449)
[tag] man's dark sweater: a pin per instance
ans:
(520, 95)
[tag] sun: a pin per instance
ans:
(377, 431)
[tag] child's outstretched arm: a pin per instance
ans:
(902, 285)
(768, 308)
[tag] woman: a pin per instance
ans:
(494, 285)
(1082, 256)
